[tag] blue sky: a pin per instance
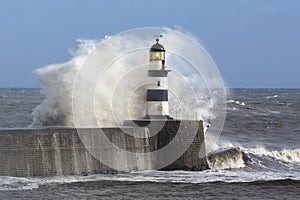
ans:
(255, 43)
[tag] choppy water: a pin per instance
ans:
(262, 123)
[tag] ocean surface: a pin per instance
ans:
(263, 123)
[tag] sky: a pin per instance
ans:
(255, 43)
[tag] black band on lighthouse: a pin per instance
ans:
(157, 95)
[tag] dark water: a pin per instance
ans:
(263, 123)
(16, 106)
(287, 189)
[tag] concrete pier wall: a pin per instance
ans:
(60, 151)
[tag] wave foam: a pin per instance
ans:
(17, 183)
(236, 102)
(292, 156)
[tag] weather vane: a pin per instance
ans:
(157, 37)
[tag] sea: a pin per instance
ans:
(264, 124)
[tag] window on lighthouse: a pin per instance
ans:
(157, 55)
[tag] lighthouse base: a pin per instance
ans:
(188, 133)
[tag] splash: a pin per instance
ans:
(119, 64)
(57, 81)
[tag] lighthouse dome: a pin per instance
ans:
(157, 47)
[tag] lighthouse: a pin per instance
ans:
(157, 89)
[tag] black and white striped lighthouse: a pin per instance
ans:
(157, 90)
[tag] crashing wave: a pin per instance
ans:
(231, 158)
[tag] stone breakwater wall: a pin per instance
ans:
(60, 151)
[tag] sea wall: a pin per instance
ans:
(60, 150)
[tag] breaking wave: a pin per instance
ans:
(238, 157)
(290, 156)
(231, 158)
